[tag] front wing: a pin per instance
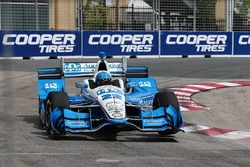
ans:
(94, 119)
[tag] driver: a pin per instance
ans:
(103, 78)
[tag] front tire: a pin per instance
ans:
(55, 99)
(166, 99)
(48, 121)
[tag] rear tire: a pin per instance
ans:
(55, 99)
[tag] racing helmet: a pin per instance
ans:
(103, 78)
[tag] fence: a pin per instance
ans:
(24, 14)
(177, 15)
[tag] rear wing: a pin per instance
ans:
(82, 69)
(50, 73)
(73, 69)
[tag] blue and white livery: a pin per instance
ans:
(112, 97)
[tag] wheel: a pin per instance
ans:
(58, 99)
(165, 99)
(42, 118)
(48, 121)
(55, 99)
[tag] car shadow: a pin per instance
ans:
(33, 120)
(123, 136)
(146, 137)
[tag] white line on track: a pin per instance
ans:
(202, 86)
(105, 160)
(230, 84)
(185, 89)
(37, 153)
(183, 109)
(182, 93)
(184, 97)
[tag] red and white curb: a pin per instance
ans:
(184, 93)
(217, 132)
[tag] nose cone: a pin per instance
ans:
(113, 106)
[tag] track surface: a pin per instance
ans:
(23, 143)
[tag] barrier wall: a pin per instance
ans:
(40, 43)
(120, 43)
(196, 43)
(90, 43)
(241, 43)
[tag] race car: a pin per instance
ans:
(112, 97)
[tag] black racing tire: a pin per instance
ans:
(47, 118)
(55, 99)
(164, 99)
(41, 123)
(58, 99)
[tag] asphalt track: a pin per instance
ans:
(23, 143)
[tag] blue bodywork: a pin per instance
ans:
(79, 119)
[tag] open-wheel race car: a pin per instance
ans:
(112, 97)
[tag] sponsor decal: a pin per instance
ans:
(117, 115)
(145, 84)
(241, 43)
(90, 67)
(146, 102)
(244, 40)
(47, 43)
(153, 121)
(77, 123)
(111, 96)
(72, 67)
(203, 42)
(196, 43)
(50, 86)
(115, 65)
(127, 42)
(109, 90)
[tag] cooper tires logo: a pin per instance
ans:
(48, 43)
(203, 43)
(244, 40)
(127, 42)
